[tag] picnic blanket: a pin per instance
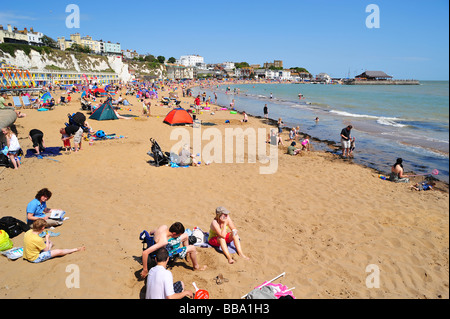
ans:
(205, 244)
(49, 151)
(112, 136)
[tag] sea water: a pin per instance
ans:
(389, 121)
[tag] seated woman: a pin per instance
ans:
(186, 158)
(397, 175)
(36, 249)
(222, 232)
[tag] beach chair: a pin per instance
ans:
(17, 103)
(147, 242)
(28, 104)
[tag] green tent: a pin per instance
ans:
(104, 112)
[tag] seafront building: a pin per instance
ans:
(25, 36)
(276, 64)
(98, 47)
(192, 60)
(178, 72)
(46, 77)
(12, 77)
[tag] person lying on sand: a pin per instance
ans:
(171, 238)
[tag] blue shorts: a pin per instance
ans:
(43, 256)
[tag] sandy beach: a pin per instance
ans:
(320, 219)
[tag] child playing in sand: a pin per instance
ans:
(424, 186)
(292, 150)
(13, 146)
(36, 249)
(171, 238)
(146, 107)
(305, 144)
(245, 119)
(222, 232)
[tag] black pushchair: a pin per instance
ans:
(78, 119)
(160, 157)
(85, 105)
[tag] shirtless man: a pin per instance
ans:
(162, 235)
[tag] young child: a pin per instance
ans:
(13, 146)
(424, 186)
(66, 140)
(305, 144)
(352, 146)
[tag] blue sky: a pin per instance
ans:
(321, 35)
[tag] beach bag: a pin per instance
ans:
(5, 242)
(147, 240)
(13, 226)
(197, 237)
(4, 160)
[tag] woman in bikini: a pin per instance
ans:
(223, 232)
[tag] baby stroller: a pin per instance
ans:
(160, 158)
(85, 105)
(78, 119)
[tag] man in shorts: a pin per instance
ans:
(346, 140)
(171, 239)
(76, 132)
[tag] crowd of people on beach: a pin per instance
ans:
(168, 241)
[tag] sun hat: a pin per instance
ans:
(222, 210)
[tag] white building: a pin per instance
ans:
(228, 65)
(13, 35)
(280, 75)
(112, 48)
(192, 60)
(34, 38)
(323, 77)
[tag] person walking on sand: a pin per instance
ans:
(171, 238)
(222, 232)
(346, 140)
(37, 249)
(266, 112)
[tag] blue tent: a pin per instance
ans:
(46, 97)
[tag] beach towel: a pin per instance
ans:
(107, 137)
(13, 253)
(49, 151)
(175, 165)
(205, 244)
